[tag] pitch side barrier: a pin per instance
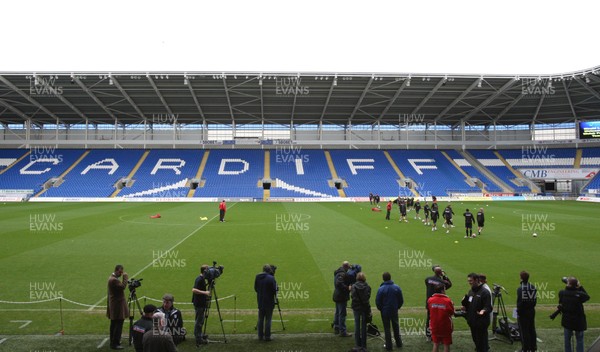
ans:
(314, 199)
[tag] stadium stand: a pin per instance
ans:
(365, 171)
(304, 178)
(489, 185)
(488, 159)
(233, 173)
(97, 174)
(164, 173)
(434, 173)
(590, 157)
(539, 157)
(38, 168)
(9, 156)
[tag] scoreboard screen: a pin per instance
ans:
(589, 130)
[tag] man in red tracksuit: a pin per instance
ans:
(222, 210)
(389, 209)
(441, 310)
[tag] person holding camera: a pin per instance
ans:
(174, 319)
(526, 301)
(361, 307)
(266, 291)
(141, 326)
(441, 310)
(199, 297)
(439, 278)
(116, 308)
(389, 300)
(341, 295)
(570, 304)
(478, 307)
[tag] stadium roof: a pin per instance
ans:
(297, 98)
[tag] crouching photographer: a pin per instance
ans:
(570, 305)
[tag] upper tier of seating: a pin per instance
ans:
(539, 157)
(590, 157)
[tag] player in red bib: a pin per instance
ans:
(441, 311)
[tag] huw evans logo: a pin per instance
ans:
(167, 259)
(413, 259)
(292, 291)
(44, 86)
(537, 86)
(290, 154)
(292, 222)
(290, 86)
(537, 155)
(44, 153)
(44, 223)
(412, 119)
(536, 223)
(39, 291)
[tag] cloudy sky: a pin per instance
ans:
(481, 37)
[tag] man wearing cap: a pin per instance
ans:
(173, 317)
(141, 326)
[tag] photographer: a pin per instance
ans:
(439, 278)
(570, 302)
(116, 308)
(526, 301)
(361, 307)
(141, 326)
(199, 297)
(477, 305)
(174, 319)
(341, 295)
(266, 290)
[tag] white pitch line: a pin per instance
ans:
(103, 342)
(168, 250)
(317, 319)
(2, 341)
(232, 321)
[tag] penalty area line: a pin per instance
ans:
(102, 343)
(168, 250)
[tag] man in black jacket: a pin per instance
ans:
(477, 304)
(341, 295)
(570, 302)
(266, 289)
(141, 326)
(174, 319)
(526, 301)
(439, 278)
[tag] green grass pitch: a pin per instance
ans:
(69, 249)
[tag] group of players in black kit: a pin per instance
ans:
(432, 215)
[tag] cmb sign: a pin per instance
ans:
(559, 174)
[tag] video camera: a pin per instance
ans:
(134, 283)
(460, 313)
(497, 289)
(213, 272)
(273, 269)
(556, 312)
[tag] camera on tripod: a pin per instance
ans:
(213, 272)
(497, 289)
(134, 283)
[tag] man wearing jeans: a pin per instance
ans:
(570, 302)
(341, 296)
(389, 300)
(200, 294)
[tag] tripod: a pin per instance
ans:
(211, 289)
(500, 308)
(132, 302)
(280, 316)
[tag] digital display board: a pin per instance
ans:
(589, 130)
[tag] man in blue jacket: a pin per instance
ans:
(389, 300)
(266, 289)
